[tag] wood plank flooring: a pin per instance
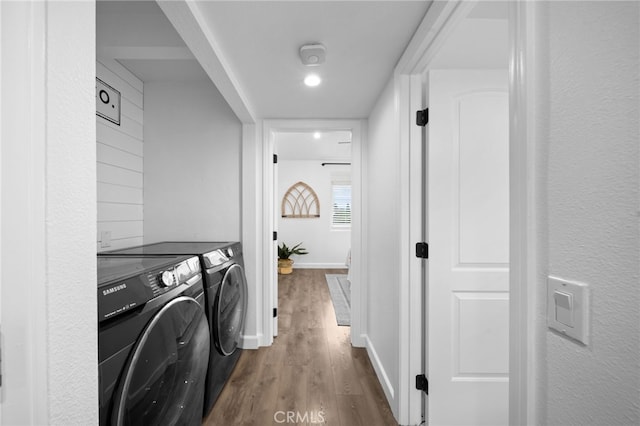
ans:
(310, 375)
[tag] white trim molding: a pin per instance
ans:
(320, 266)
(410, 334)
(523, 221)
(250, 342)
(439, 21)
(383, 377)
(25, 328)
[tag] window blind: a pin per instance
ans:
(341, 204)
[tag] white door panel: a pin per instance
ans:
(468, 228)
(481, 161)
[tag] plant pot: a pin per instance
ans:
(285, 266)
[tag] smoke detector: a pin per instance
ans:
(312, 54)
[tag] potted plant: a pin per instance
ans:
(285, 264)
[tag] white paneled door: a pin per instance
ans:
(468, 234)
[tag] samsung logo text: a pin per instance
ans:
(114, 289)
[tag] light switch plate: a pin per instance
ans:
(572, 310)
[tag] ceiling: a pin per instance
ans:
(259, 41)
(139, 36)
(364, 40)
(330, 146)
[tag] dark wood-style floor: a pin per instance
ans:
(310, 375)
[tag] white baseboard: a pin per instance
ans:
(380, 371)
(250, 342)
(319, 266)
(359, 341)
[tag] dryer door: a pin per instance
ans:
(163, 382)
(230, 310)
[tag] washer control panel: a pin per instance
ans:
(167, 279)
(141, 282)
(161, 281)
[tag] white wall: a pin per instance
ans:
(71, 213)
(49, 332)
(251, 233)
(192, 163)
(119, 161)
(589, 129)
(383, 243)
(327, 247)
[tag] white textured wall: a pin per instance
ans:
(589, 131)
(192, 163)
(71, 214)
(383, 243)
(327, 247)
(251, 234)
(120, 161)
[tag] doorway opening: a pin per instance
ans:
(313, 211)
(465, 201)
(325, 156)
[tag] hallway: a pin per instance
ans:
(311, 370)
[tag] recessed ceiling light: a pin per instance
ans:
(316, 135)
(312, 80)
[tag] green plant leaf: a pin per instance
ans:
(285, 252)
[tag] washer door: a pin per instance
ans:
(163, 382)
(230, 310)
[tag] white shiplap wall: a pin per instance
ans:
(120, 161)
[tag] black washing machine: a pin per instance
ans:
(226, 293)
(153, 340)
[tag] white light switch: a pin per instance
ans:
(564, 307)
(568, 308)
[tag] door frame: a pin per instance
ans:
(358, 256)
(439, 22)
(24, 395)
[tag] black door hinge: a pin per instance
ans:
(422, 250)
(422, 383)
(422, 117)
(275, 158)
(275, 312)
(275, 236)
